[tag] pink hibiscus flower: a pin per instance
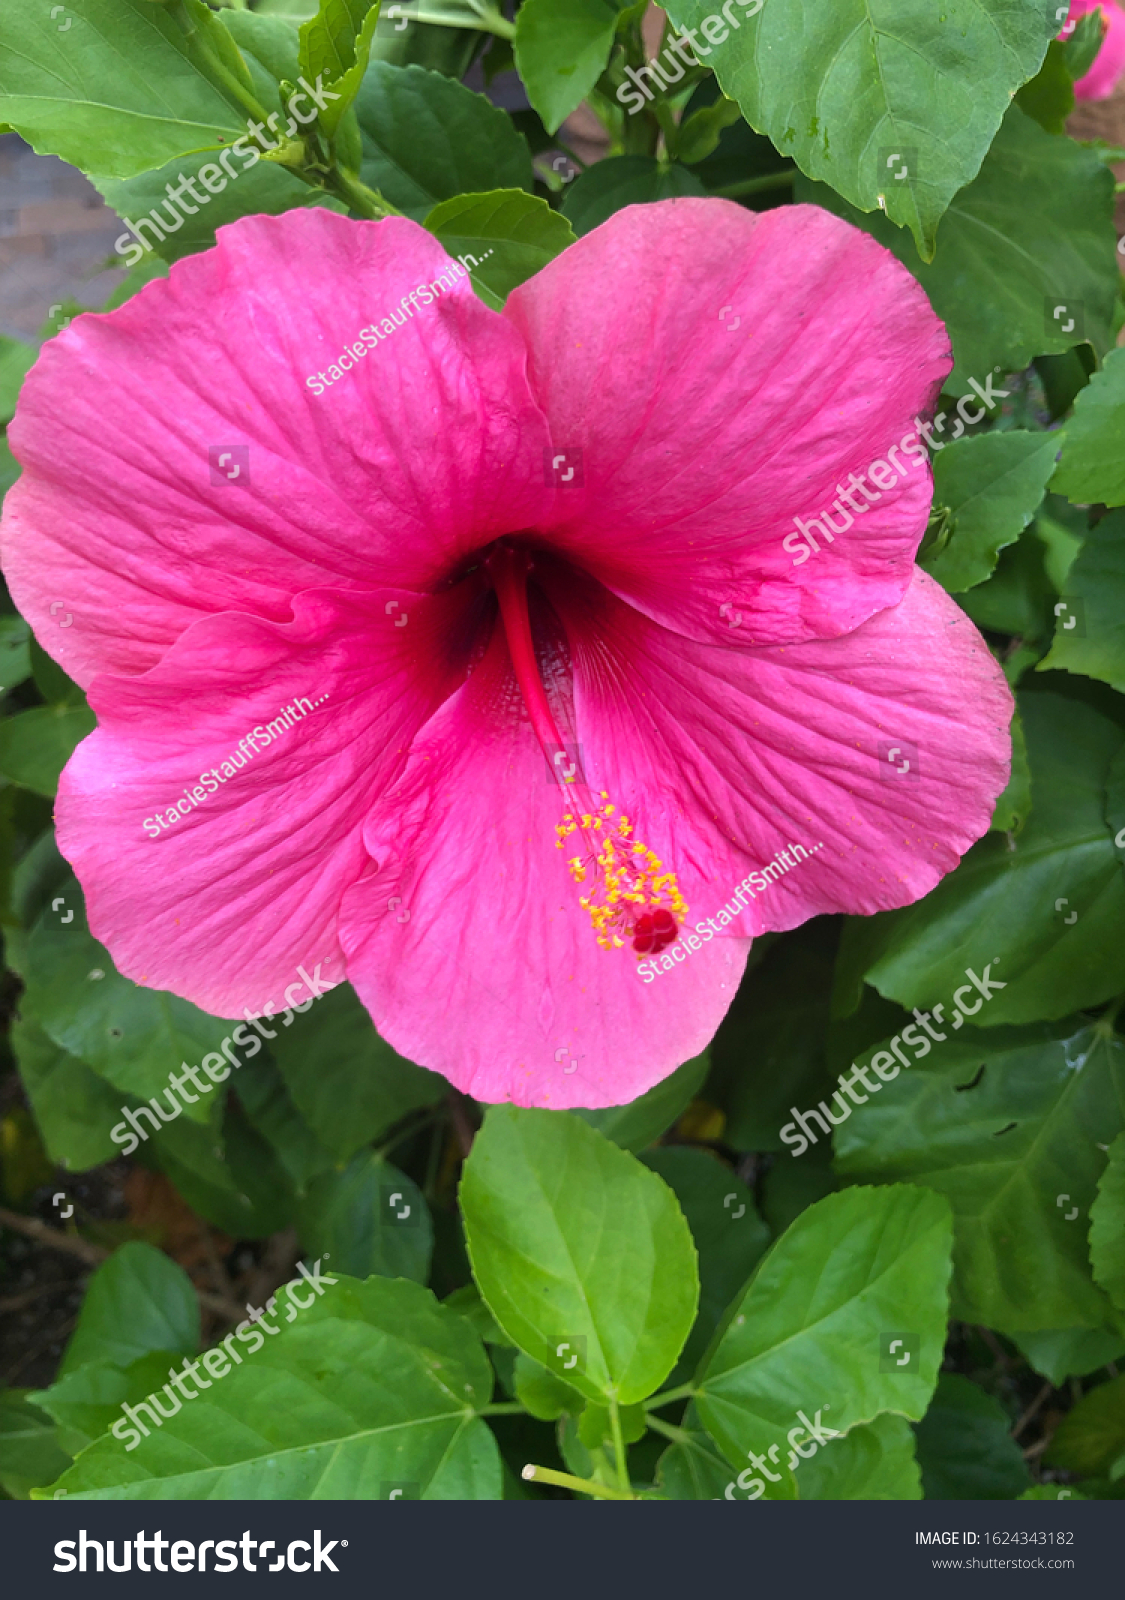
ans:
(490, 662)
(1109, 63)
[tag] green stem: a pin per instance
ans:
(365, 202)
(570, 155)
(619, 1452)
(563, 1480)
(772, 180)
(503, 1408)
(481, 22)
(684, 1392)
(220, 74)
(677, 1435)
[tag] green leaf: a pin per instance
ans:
(728, 1232)
(1081, 49)
(137, 1301)
(769, 1050)
(561, 49)
(1061, 1353)
(1092, 469)
(256, 1170)
(15, 657)
(223, 1184)
(346, 1082)
(36, 745)
(125, 87)
(1090, 635)
(1107, 1226)
(30, 1454)
(9, 468)
(512, 235)
(427, 138)
(595, 1425)
(87, 1402)
(1013, 805)
(448, 50)
(581, 1254)
(50, 679)
(992, 486)
(1061, 529)
(264, 189)
(545, 1395)
(872, 1462)
(743, 164)
(335, 45)
(374, 1387)
(624, 181)
(965, 1447)
(267, 1104)
(269, 49)
(636, 1125)
(1034, 231)
(74, 1107)
(16, 361)
(1018, 598)
(134, 1037)
(792, 1186)
(814, 1328)
(1005, 1124)
(369, 1218)
(467, 1302)
(1091, 1438)
(1049, 97)
(1007, 904)
(844, 86)
(701, 130)
(692, 1468)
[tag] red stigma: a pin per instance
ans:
(653, 931)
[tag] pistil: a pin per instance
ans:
(628, 893)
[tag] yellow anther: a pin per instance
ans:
(625, 884)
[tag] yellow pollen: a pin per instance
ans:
(624, 870)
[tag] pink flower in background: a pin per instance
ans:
(528, 568)
(1109, 64)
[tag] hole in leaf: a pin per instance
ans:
(1008, 1129)
(961, 1087)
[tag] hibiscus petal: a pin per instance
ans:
(224, 904)
(429, 446)
(742, 367)
(468, 945)
(805, 745)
